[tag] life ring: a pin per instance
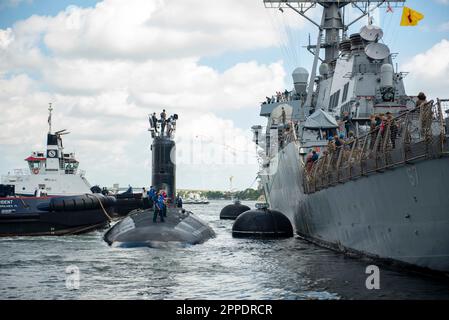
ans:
(35, 170)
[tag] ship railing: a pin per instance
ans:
(282, 99)
(412, 136)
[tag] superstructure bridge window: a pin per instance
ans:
(34, 165)
(345, 93)
(337, 99)
(334, 100)
(331, 101)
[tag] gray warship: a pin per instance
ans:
(382, 191)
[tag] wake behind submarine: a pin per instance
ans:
(179, 226)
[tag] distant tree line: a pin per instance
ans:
(247, 194)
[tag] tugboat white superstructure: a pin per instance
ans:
(378, 187)
(54, 171)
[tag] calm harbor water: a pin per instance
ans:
(222, 268)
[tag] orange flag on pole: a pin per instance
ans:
(410, 17)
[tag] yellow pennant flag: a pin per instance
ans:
(410, 17)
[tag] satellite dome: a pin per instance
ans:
(324, 69)
(300, 74)
(300, 78)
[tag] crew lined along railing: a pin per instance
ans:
(416, 134)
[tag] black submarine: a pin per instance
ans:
(180, 226)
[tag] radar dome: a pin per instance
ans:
(300, 77)
(324, 69)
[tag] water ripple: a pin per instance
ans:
(221, 268)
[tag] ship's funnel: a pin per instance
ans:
(300, 79)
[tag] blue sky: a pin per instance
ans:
(406, 40)
(403, 39)
(212, 62)
(13, 10)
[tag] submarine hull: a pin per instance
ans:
(138, 229)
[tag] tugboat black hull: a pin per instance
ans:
(37, 217)
(51, 224)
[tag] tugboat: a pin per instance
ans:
(54, 171)
(53, 199)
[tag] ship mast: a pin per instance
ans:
(332, 24)
(50, 109)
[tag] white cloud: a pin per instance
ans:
(142, 29)
(5, 38)
(429, 70)
(443, 1)
(106, 68)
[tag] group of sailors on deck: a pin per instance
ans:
(159, 201)
(281, 97)
(380, 125)
(167, 124)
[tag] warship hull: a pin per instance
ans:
(399, 215)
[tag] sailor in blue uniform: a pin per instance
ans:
(160, 207)
(152, 196)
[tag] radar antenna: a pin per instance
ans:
(332, 24)
(50, 109)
